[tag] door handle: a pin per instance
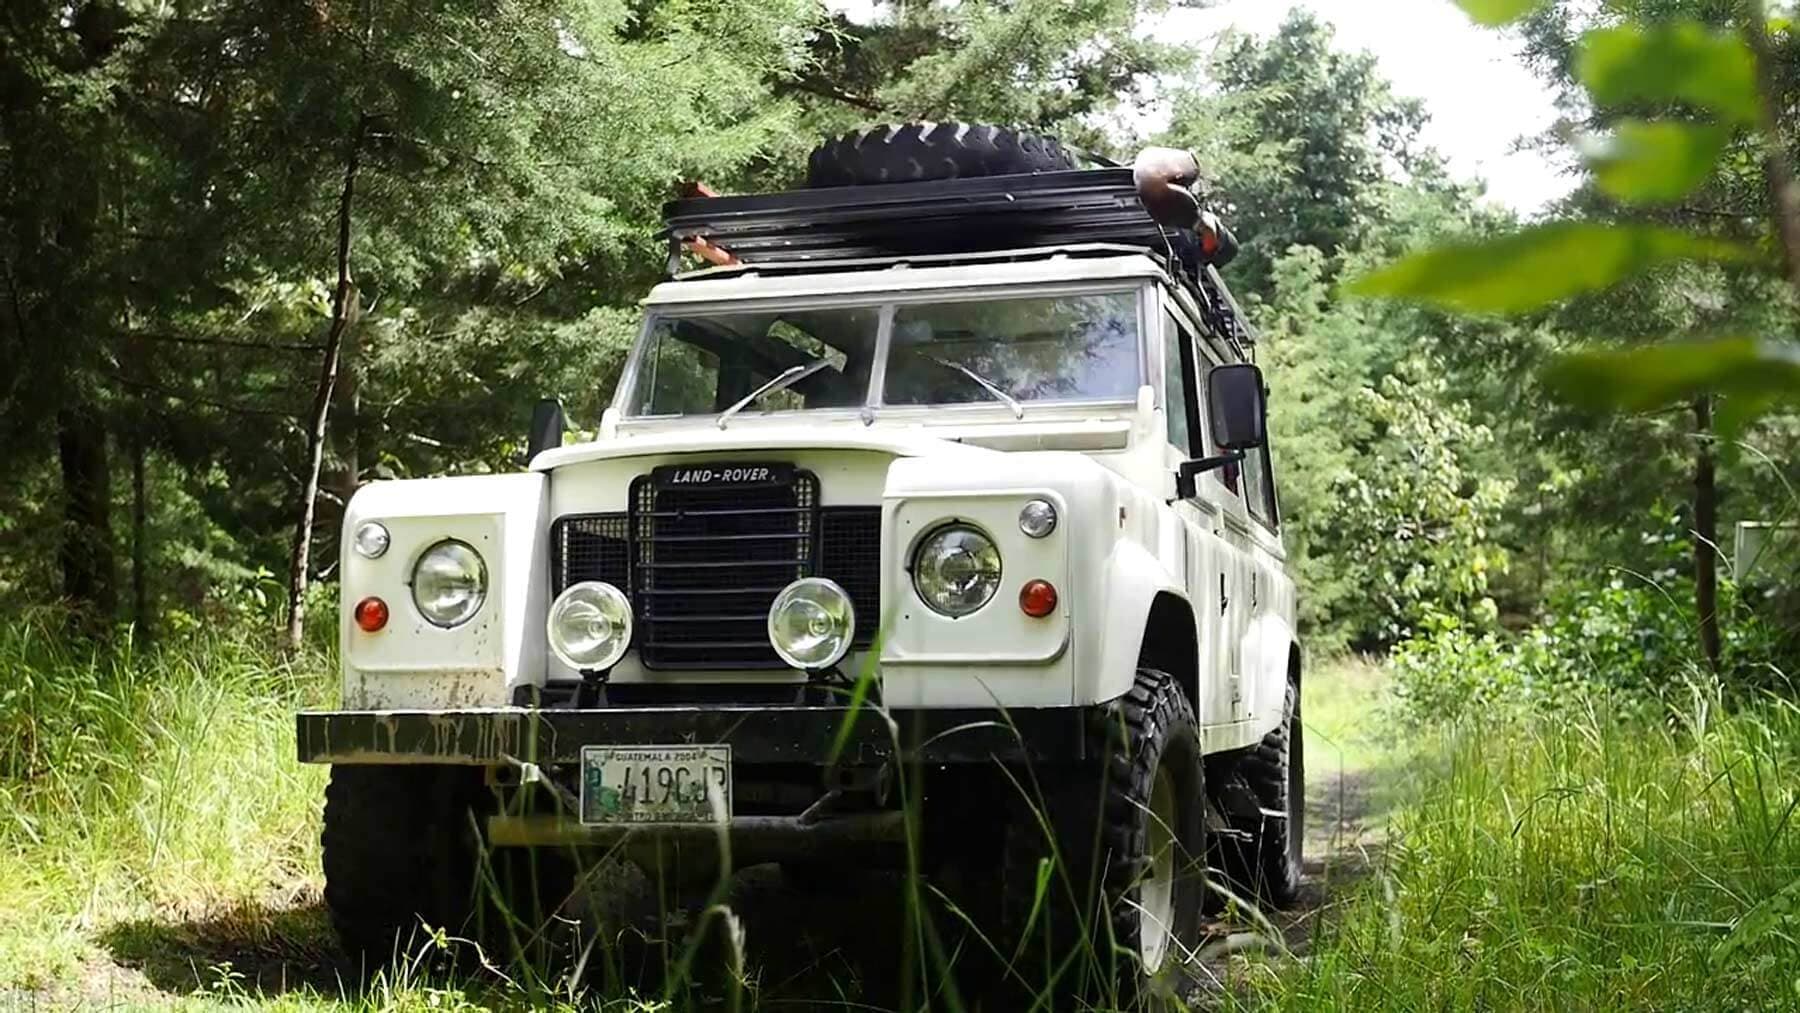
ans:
(1224, 600)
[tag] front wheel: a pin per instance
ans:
(1103, 875)
(405, 855)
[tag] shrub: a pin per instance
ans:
(1631, 638)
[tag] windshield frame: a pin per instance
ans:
(888, 303)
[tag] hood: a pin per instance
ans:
(962, 441)
(707, 440)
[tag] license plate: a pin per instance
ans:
(655, 784)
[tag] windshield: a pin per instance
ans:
(704, 364)
(1004, 351)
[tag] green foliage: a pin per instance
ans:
(1672, 61)
(1640, 379)
(1495, 13)
(1580, 858)
(137, 780)
(1535, 267)
(1631, 637)
(1294, 139)
(1414, 520)
(1658, 163)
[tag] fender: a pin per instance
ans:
(410, 663)
(1134, 579)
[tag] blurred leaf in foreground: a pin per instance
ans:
(1678, 61)
(1494, 13)
(1639, 379)
(1533, 268)
(1658, 163)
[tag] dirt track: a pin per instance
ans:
(1343, 842)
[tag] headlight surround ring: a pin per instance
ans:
(449, 583)
(956, 569)
(589, 626)
(812, 623)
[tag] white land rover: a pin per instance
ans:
(949, 493)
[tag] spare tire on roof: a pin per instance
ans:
(915, 152)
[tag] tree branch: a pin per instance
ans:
(1783, 194)
(210, 342)
(824, 89)
(341, 296)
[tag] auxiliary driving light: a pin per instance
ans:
(811, 623)
(590, 626)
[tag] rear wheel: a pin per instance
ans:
(1122, 900)
(1266, 804)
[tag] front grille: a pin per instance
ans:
(702, 564)
(707, 562)
(850, 553)
(596, 547)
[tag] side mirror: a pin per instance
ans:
(547, 428)
(1237, 417)
(1237, 407)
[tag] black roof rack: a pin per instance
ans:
(972, 215)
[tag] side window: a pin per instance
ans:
(1228, 475)
(1259, 486)
(1178, 384)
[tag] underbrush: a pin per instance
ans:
(1581, 859)
(1633, 640)
(143, 783)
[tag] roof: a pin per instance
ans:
(1076, 226)
(892, 275)
(908, 219)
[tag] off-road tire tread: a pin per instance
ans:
(398, 853)
(1262, 861)
(1154, 704)
(920, 152)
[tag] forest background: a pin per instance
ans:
(254, 253)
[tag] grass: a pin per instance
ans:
(1577, 861)
(158, 847)
(141, 786)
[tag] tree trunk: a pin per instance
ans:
(1706, 532)
(86, 549)
(343, 299)
(140, 598)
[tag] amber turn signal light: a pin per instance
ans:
(1037, 598)
(371, 614)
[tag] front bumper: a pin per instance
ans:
(757, 734)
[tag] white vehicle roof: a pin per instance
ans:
(1074, 265)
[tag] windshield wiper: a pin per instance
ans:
(986, 384)
(787, 378)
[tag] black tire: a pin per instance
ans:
(1266, 859)
(1083, 937)
(403, 850)
(916, 152)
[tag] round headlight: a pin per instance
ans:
(956, 570)
(590, 626)
(811, 623)
(449, 583)
(1037, 518)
